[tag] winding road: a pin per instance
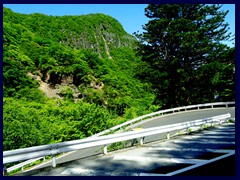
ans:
(153, 122)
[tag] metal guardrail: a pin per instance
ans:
(54, 149)
(185, 108)
(21, 165)
(134, 121)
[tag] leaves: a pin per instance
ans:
(69, 47)
(182, 52)
(179, 61)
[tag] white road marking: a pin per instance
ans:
(209, 137)
(92, 172)
(201, 142)
(224, 133)
(152, 174)
(148, 159)
(192, 149)
(201, 164)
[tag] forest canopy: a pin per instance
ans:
(68, 77)
(182, 54)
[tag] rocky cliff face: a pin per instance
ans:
(100, 41)
(98, 32)
(64, 53)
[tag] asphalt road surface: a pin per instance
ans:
(177, 117)
(190, 154)
(184, 116)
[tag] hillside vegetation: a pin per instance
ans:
(67, 77)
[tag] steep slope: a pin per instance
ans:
(77, 50)
(98, 32)
(67, 77)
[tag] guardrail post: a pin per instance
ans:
(5, 173)
(105, 150)
(54, 163)
(22, 169)
(168, 135)
(141, 141)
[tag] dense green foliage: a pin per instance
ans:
(69, 77)
(93, 52)
(183, 57)
(32, 123)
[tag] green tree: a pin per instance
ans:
(178, 42)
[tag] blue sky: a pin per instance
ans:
(131, 16)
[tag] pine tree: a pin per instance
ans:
(177, 42)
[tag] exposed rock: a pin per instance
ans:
(50, 92)
(96, 85)
(67, 79)
(45, 87)
(54, 91)
(38, 78)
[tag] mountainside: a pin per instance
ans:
(98, 32)
(77, 50)
(69, 77)
(58, 66)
